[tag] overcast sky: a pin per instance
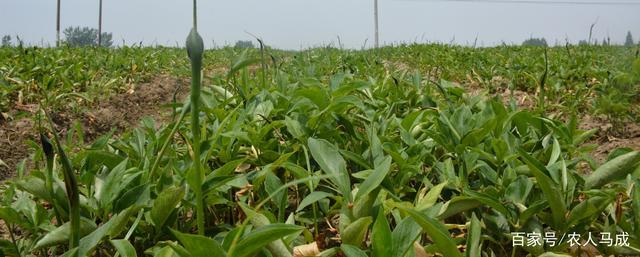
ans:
(296, 24)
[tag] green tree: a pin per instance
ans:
(85, 36)
(6, 41)
(535, 42)
(629, 41)
(244, 44)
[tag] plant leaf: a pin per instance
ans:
(436, 231)
(381, 236)
(352, 251)
(548, 187)
(375, 178)
(165, 204)
(124, 247)
(615, 169)
(312, 198)
(330, 160)
(473, 238)
(199, 246)
(262, 236)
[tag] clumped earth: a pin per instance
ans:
(118, 112)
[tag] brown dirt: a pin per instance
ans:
(118, 112)
(607, 140)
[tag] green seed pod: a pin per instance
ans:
(195, 47)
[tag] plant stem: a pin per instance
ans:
(195, 49)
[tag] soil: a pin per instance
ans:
(609, 138)
(118, 112)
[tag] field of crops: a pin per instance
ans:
(411, 150)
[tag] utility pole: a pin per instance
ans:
(100, 25)
(58, 25)
(375, 17)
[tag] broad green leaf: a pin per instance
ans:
(199, 246)
(241, 62)
(355, 232)
(403, 236)
(328, 157)
(9, 215)
(166, 251)
(61, 234)
(436, 231)
(165, 204)
(489, 201)
(548, 187)
(312, 198)
(379, 173)
(111, 228)
(431, 197)
(139, 195)
(294, 127)
(381, 236)
(473, 238)
(124, 247)
(592, 206)
(555, 152)
(352, 251)
(258, 220)
(615, 169)
(262, 236)
(108, 189)
(457, 205)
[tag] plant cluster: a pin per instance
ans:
(332, 150)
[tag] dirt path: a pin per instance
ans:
(118, 112)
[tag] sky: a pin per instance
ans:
(299, 24)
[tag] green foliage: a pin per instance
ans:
(244, 44)
(535, 42)
(6, 41)
(628, 41)
(85, 36)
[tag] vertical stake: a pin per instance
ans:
(375, 17)
(100, 24)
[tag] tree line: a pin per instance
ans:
(605, 42)
(74, 37)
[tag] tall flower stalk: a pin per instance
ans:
(195, 49)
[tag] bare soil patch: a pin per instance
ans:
(607, 141)
(117, 112)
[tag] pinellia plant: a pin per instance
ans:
(195, 49)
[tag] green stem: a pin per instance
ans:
(156, 162)
(13, 240)
(195, 50)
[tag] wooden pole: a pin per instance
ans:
(375, 17)
(100, 25)
(58, 25)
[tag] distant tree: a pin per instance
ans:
(535, 42)
(629, 41)
(76, 36)
(605, 42)
(6, 41)
(583, 42)
(244, 44)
